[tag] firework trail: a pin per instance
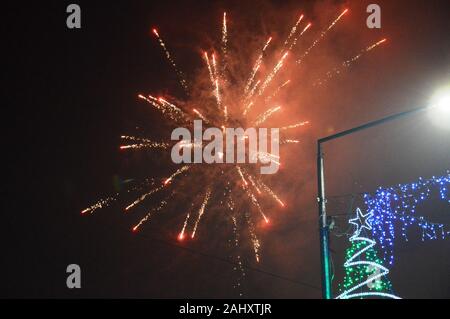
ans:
(248, 107)
(272, 74)
(214, 77)
(252, 181)
(253, 199)
(214, 64)
(239, 170)
(216, 83)
(100, 204)
(236, 237)
(218, 94)
(170, 105)
(201, 211)
(148, 182)
(277, 91)
(256, 67)
(178, 172)
(271, 192)
(322, 35)
(230, 201)
(289, 142)
(200, 115)
(106, 202)
(135, 139)
(250, 194)
(166, 108)
(211, 75)
(225, 113)
(293, 30)
(224, 43)
(253, 90)
(157, 189)
(296, 39)
(153, 211)
(284, 128)
(366, 50)
(348, 63)
(143, 197)
(240, 266)
(263, 117)
(181, 235)
(180, 75)
(142, 143)
(253, 237)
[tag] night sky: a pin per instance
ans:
(71, 94)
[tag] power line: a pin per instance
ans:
(347, 195)
(199, 253)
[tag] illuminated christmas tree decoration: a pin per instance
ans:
(370, 294)
(396, 206)
(365, 274)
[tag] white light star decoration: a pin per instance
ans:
(361, 221)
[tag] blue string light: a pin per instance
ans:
(396, 206)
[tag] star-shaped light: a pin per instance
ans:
(361, 221)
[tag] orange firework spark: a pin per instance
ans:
(200, 115)
(253, 236)
(273, 73)
(322, 35)
(142, 197)
(201, 211)
(263, 117)
(211, 75)
(100, 204)
(293, 30)
(293, 126)
(141, 143)
(296, 39)
(275, 93)
(180, 75)
(348, 63)
(149, 215)
(271, 192)
(168, 109)
(181, 235)
(257, 66)
(224, 43)
(250, 178)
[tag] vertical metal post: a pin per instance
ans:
(323, 226)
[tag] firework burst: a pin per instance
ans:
(247, 102)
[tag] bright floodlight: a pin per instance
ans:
(440, 108)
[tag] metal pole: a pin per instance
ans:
(323, 226)
(373, 123)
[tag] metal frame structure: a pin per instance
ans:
(323, 223)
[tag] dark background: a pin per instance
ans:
(70, 94)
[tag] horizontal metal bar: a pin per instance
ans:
(371, 124)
